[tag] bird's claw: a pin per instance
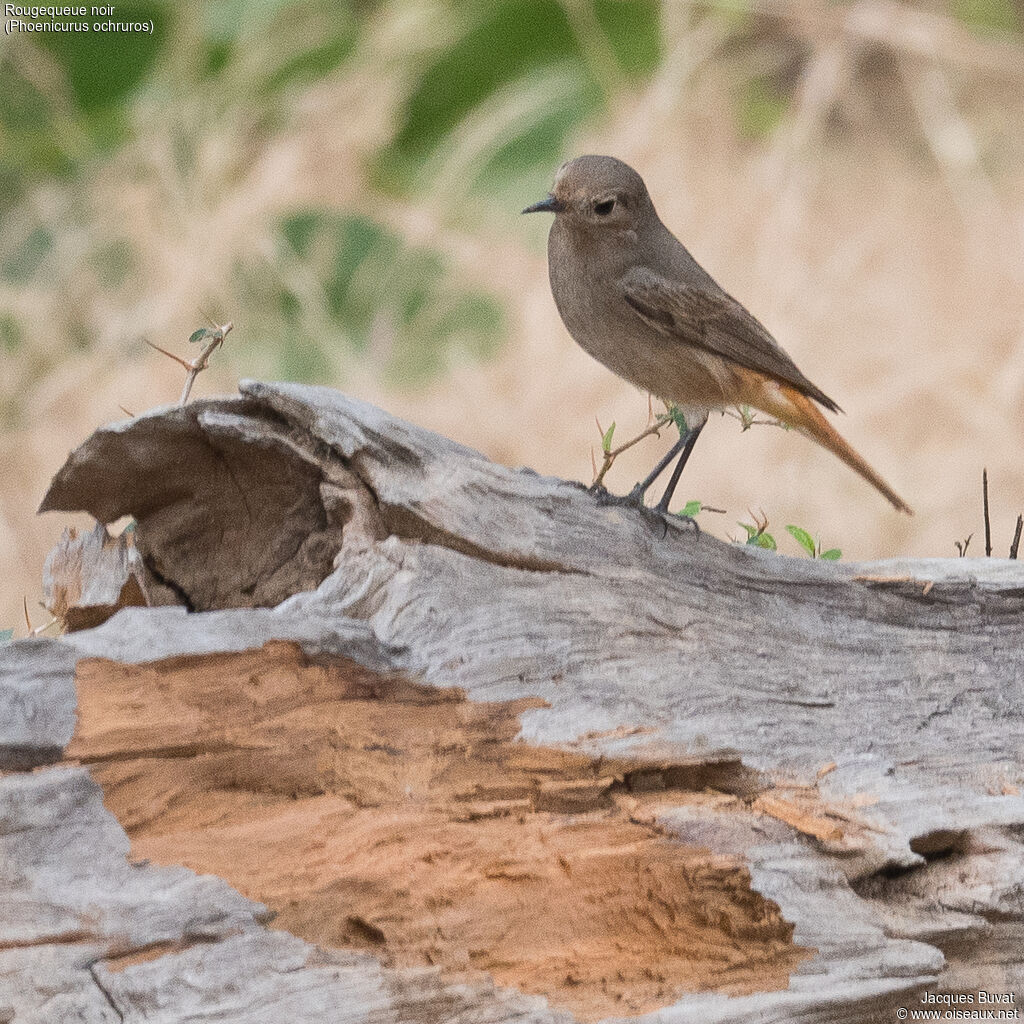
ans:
(652, 515)
(688, 521)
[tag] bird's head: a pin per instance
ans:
(599, 192)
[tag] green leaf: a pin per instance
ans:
(6, 635)
(803, 538)
(832, 555)
(765, 540)
(691, 508)
(606, 440)
(751, 531)
(203, 332)
(679, 420)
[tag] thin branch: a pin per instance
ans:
(1016, 537)
(170, 355)
(215, 338)
(925, 585)
(45, 626)
(748, 418)
(610, 456)
(988, 523)
(200, 364)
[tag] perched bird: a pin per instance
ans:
(632, 296)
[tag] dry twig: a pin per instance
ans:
(35, 630)
(988, 523)
(925, 585)
(612, 454)
(214, 338)
(1015, 546)
(748, 418)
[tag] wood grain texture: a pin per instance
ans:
(862, 729)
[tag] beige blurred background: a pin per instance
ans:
(343, 182)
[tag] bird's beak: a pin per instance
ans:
(549, 205)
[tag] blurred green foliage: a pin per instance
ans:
(487, 100)
(26, 256)
(499, 50)
(10, 334)
(484, 99)
(346, 287)
(991, 15)
(102, 68)
(762, 106)
(301, 41)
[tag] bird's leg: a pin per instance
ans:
(684, 446)
(636, 496)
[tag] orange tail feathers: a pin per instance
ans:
(800, 412)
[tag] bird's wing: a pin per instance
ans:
(715, 323)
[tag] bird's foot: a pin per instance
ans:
(656, 517)
(635, 498)
(662, 508)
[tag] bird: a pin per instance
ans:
(632, 296)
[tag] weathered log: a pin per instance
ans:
(553, 698)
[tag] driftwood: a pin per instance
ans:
(488, 749)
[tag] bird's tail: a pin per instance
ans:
(790, 406)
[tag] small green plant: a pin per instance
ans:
(692, 508)
(675, 414)
(747, 417)
(813, 549)
(609, 454)
(606, 438)
(202, 334)
(6, 635)
(757, 533)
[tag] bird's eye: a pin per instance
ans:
(605, 207)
